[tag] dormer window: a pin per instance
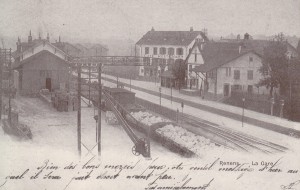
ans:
(250, 59)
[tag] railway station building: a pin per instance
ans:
(40, 65)
(168, 46)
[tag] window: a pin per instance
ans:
(162, 51)
(190, 68)
(146, 50)
(250, 59)
(195, 57)
(236, 74)
(250, 74)
(228, 71)
(155, 51)
(171, 51)
(179, 51)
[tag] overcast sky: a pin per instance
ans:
(130, 19)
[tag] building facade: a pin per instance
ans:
(166, 45)
(41, 65)
(230, 66)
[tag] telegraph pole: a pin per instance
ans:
(90, 84)
(1, 76)
(79, 109)
(9, 87)
(99, 106)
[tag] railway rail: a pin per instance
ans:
(230, 138)
(237, 140)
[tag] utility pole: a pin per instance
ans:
(117, 81)
(79, 108)
(171, 94)
(1, 76)
(9, 86)
(160, 99)
(243, 112)
(99, 108)
(130, 82)
(89, 84)
(272, 105)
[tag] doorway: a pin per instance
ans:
(48, 84)
(226, 89)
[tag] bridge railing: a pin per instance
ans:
(116, 60)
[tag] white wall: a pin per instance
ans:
(243, 64)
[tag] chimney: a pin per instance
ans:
(29, 37)
(152, 29)
(48, 38)
(59, 39)
(19, 45)
(40, 36)
(191, 29)
(238, 37)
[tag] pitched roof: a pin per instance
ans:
(216, 54)
(35, 43)
(87, 46)
(181, 38)
(27, 60)
(63, 46)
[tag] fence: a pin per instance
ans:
(260, 103)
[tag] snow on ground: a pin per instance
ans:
(55, 139)
(258, 132)
(248, 113)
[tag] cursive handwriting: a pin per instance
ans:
(291, 185)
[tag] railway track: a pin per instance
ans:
(236, 140)
(228, 138)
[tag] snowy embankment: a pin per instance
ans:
(176, 134)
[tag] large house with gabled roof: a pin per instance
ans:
(41, 65)
(167, 45)
(229, 66)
